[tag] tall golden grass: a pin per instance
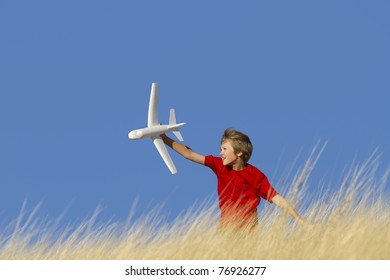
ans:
(352, 222)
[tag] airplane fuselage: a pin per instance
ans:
(153, 131)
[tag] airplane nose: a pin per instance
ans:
(135, 134)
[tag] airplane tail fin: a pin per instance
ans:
(178, 135)
(175, 127)
(172, 117)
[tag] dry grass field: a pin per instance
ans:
(350, 222)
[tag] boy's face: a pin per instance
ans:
(229, 157)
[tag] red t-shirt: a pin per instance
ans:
(239, 192)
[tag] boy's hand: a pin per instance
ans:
(305, 224)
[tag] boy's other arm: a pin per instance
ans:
(280, 201)
(183, 150)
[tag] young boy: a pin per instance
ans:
(240, 185)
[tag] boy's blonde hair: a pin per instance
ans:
(240, 143)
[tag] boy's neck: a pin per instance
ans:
(238, 166)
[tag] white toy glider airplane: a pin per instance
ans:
(155, 129)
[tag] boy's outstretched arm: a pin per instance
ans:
(280, 201)
(183, 150)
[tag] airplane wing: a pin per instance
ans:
(159, 143)
(153, 106)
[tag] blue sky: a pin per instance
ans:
(75, 78)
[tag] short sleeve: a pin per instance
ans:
(214, 163)
(265, 191)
